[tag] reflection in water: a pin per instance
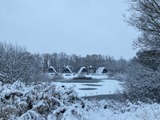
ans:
(91, 85)
(87, 88)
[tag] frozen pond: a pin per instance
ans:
(93, 87)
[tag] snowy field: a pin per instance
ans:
(93, 87)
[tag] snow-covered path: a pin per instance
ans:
(103, 87)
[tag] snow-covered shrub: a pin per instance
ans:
(49, 102)
(114, 110)
(149, 58)
(18, 101)
(120, 76)
(142, 83)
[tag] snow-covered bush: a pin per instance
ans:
(46, 101)
(18, 101)
(113, 110)
(142, 83)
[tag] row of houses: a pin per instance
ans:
(82, 70)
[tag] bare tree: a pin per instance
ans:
(143, 82)
(145, 16)
(18, 64)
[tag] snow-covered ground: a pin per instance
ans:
(103, 87)
(54, 101)
(117, 111)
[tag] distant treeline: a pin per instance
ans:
(60, 60)
(16, 63)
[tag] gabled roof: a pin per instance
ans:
(51, 70)
(67, 70)
(82, 70)
(101, 70)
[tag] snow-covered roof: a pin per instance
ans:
(51, 68)
(82, 69)
(101, 70)
(67, 70)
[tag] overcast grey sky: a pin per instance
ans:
(72, 26)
